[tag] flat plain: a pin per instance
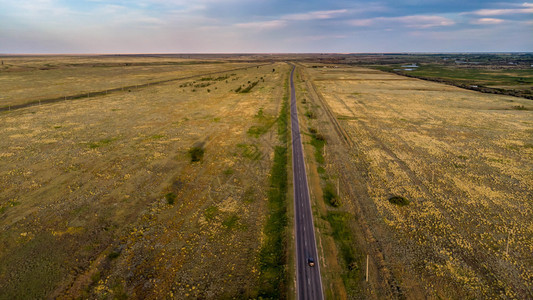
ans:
(30, 79)
(143, 193)
(446, 181)
(154, 178)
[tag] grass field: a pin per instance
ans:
(157, 192)
(512, 78)
(504, 74)
(179, 189)
(24, 80)
(521, 79)
(459, 163)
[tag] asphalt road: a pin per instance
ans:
(308, 281)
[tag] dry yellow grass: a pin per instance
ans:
(24, 80)
(84, 205)
(463, 159)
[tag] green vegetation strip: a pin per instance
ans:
(248, 88)
(352, 258)
(516, 83)
(272, 257)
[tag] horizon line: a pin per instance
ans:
(261, 53)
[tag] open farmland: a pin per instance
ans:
(167, 177)
(459, 163)
(504, 73)
(153, 192)
(30, 79)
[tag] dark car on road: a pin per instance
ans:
(311, 262)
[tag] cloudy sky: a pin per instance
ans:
(222, 26)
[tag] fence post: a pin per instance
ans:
(367, 257)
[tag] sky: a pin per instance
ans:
(264, 26)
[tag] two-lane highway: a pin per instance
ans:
(308, 281)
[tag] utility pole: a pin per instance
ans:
(508, 238)
(367, 257)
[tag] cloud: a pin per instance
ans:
(273, 24)
(261, 26)
(363, 22)
(415, 21)
(315, 15)
(487, 21)
(527, 8)
(284, 20)
(319, 37)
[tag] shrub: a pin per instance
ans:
(249, 87)
(170, 197)
(330, 196)
(211, 212)
(398, 200)
(309, 114)
(197, 153)
(353, 266)
(320, 137)
(231, 222)
(113, 255)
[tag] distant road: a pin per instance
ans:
(308, 281)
